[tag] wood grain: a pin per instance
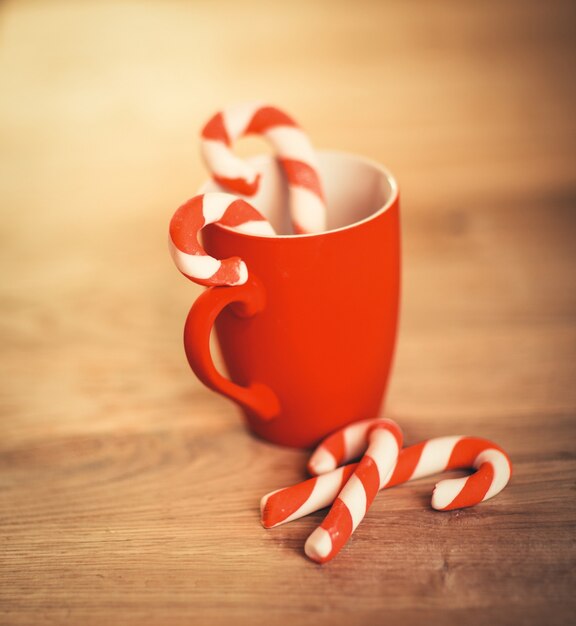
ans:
(129, 493)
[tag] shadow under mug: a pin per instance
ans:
(308, 340)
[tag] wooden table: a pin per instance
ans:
(128, 492)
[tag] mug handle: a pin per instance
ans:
(247, 300)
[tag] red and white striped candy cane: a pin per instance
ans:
(492, 465)
(424, 459)
(191, 258)
(340, 447)
(352, 503)
(290, 503)
(418, 461)
(285, 505)
(294, 151)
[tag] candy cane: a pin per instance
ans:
(190, 257)
(358, 493)
(284, 505)
(304, 498)
(344, 445)
(292, 146)
(418, 461)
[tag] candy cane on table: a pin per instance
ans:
(301, 499)
(188, 254)
(351, 505)
(418, 461)
(344, 445)
(424, 459)
(291, 503)
(293, 149)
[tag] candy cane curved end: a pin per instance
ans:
(493, 471)
(344, 445)
(292, 147)
(188, 254)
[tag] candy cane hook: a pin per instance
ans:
(187, 252)
(294, 151)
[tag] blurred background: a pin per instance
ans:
(470, 104)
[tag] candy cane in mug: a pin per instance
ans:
(352, 503)
(294, 151)
(210, 208)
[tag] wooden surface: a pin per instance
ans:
(128, 492)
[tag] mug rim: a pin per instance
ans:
(342, 153)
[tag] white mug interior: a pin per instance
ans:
(356, 189)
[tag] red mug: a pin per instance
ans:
(308, 340)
